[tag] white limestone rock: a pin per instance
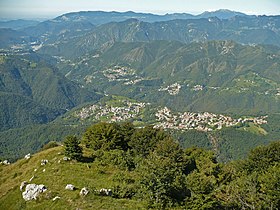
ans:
(66, 158)
(6, 162)
(56, 198)
(70, 187)
(105, 192)
(28, 156)
(30, 180)
(84, 191)
(44, 162)
(22, 185)
(32, 191)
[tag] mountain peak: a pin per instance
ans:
(221, 13)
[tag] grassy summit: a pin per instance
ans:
(145, 169)
(56, 176)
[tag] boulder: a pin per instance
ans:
(28, 156)
(70, 187)
(66, 158)
(32, 191)
(6, 162)
(22, 185)
(44, 162)
(105, 192)
(84, 191)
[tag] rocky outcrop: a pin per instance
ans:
(32, 191)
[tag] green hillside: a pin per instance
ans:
(33, 91)
(18, 110)
(142, 169)
(217, 76)
(230, 137)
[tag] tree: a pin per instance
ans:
(254, 183)
(163, 182)
(262, 157)
(72, 148)
(203, 180)
(145, 139)
(105, 136)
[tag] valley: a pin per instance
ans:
(132, 110)
(192, 74)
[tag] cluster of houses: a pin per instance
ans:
(132, 82)
(128, 111)
(118, 73)
(173, 89)
(121, 73)
(200, 121)
(197, 87)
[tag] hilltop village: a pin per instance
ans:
(164, 117)
(110, 113)
(200, 121)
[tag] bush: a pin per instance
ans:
(115, 157)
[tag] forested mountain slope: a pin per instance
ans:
(216, 76)
(245, 30)
(33, 91)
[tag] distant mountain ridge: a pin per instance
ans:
(101, 17)
(217, 25)
(244, 30)
(18, 24)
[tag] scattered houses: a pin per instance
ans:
(197, 87)
(173, 89)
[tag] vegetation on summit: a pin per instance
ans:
(158, 175)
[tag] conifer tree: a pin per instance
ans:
(72, 148)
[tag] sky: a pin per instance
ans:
(31, 9)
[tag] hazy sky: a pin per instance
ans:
(13, 9)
